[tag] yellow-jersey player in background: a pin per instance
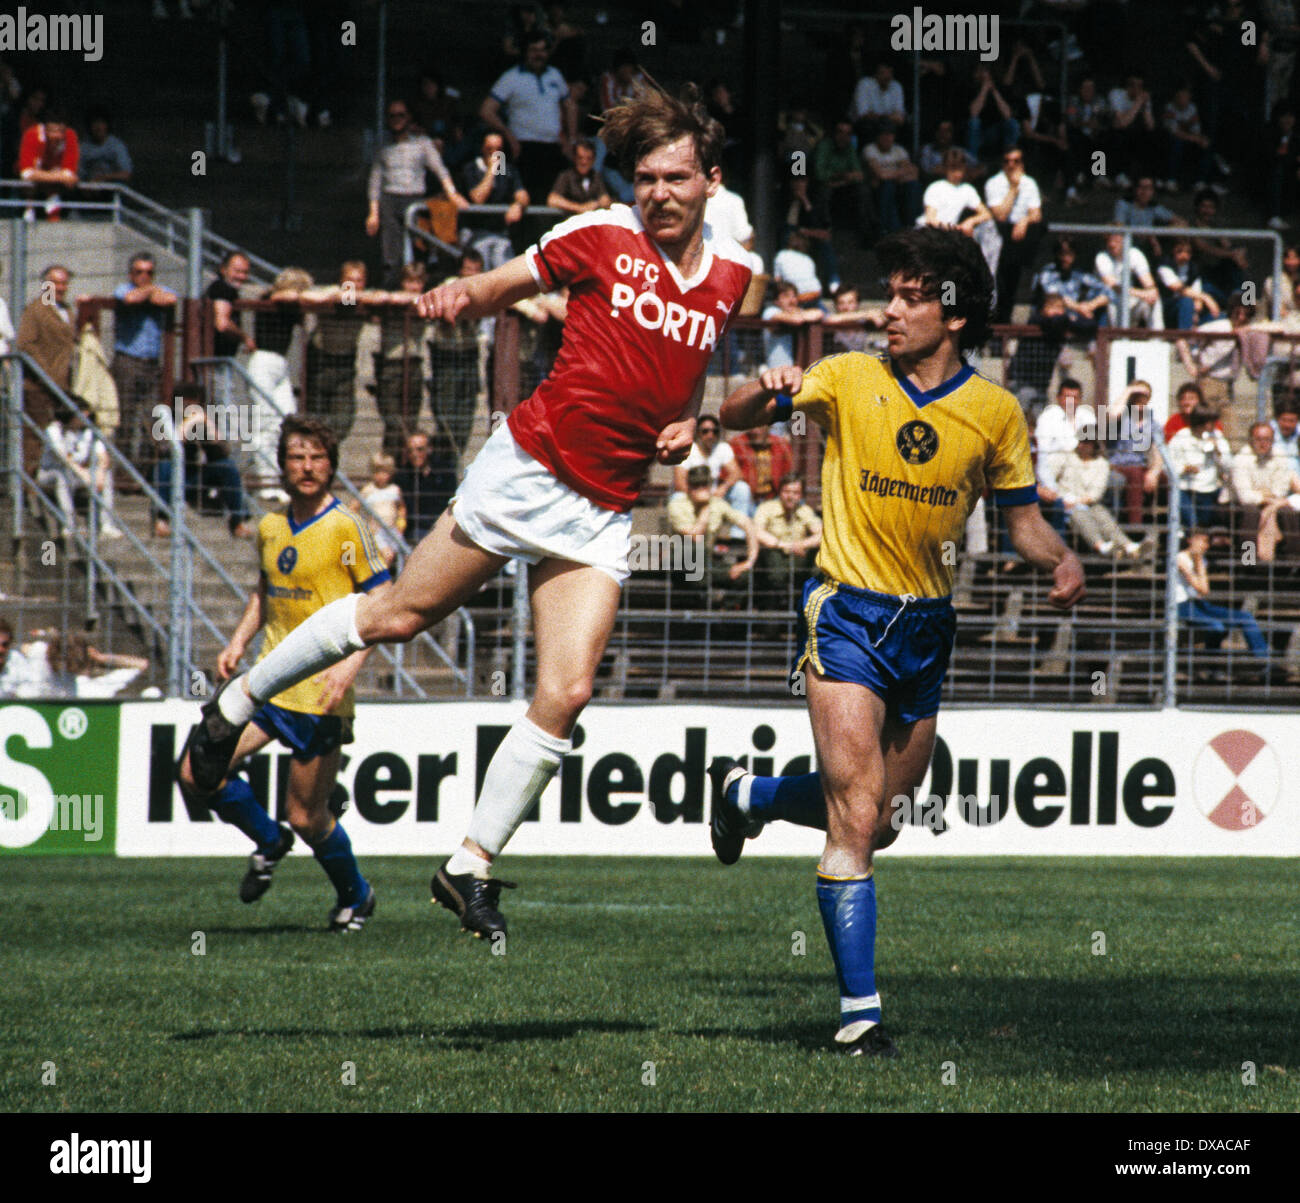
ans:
(313, 553)
(913, 437)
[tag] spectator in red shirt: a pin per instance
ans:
(763, 458)
(48, 159)
(1186, 400)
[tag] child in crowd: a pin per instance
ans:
(384, 498)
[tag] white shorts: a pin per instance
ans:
(511, 505)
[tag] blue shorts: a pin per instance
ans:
(308, 735)
(898, 648)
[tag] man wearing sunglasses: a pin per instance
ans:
(140, 321)
(712, 451)
(1017, 207)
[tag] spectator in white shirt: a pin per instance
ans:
(1216, 363)
(795, 265)
(878, 103)
(725, 211)
(895, 179)
(17, 673)
(74, 462)
(1182, 293)
(1267, 489)
(1286, 431)
(1201, 460)
(397, 180)
(69, 667)
(531, 106)
(1017, 207)
(7, 334)
(710, 450)
(1057, 431)
(1144, 307)
(1084, 479)
(951, 201)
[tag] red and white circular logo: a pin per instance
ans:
(1236, 780)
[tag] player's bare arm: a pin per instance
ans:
(674, 442)
(754, 403)
(252, 621)
(753, 537)
(1038, 544)
(479, 296)
(336, 681)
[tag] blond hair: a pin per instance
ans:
(380, 462)
(292, 279)
(651, 118)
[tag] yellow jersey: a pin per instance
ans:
(904, 468)
(305, 567)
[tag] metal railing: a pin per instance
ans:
(174, 231)
(177, 635)
(1271, 236)
(412, 230)
(394, 654)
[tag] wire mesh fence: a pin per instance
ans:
(695, 619)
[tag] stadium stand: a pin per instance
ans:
(294, 193)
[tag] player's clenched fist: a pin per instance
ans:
(1068, 586)
(786, 379)
(444, 302)
(674, 441)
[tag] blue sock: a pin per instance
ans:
(794, 799)
(237, 805)
(334, 853)
(848, 908)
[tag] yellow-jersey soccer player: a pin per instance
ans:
(913, 439)
(313, 553)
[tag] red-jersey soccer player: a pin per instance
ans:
(650, 294)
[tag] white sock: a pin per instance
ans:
(327, 637)
(465, 861)
(236, 706)
(743, 786)
(521, 768)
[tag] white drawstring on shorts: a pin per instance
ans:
(907, 597)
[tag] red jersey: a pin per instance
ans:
(637, 340)
(37, 151)
(762, 468)
(1177, 422)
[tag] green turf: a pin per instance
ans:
(987, 970)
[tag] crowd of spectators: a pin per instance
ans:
(998, 152)
(40, 146)
(1095, 469)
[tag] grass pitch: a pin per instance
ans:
(646, 985)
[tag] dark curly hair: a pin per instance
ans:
(308, 428)
(937, 257)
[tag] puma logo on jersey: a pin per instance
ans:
(671, 319)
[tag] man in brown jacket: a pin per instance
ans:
(46, 332)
